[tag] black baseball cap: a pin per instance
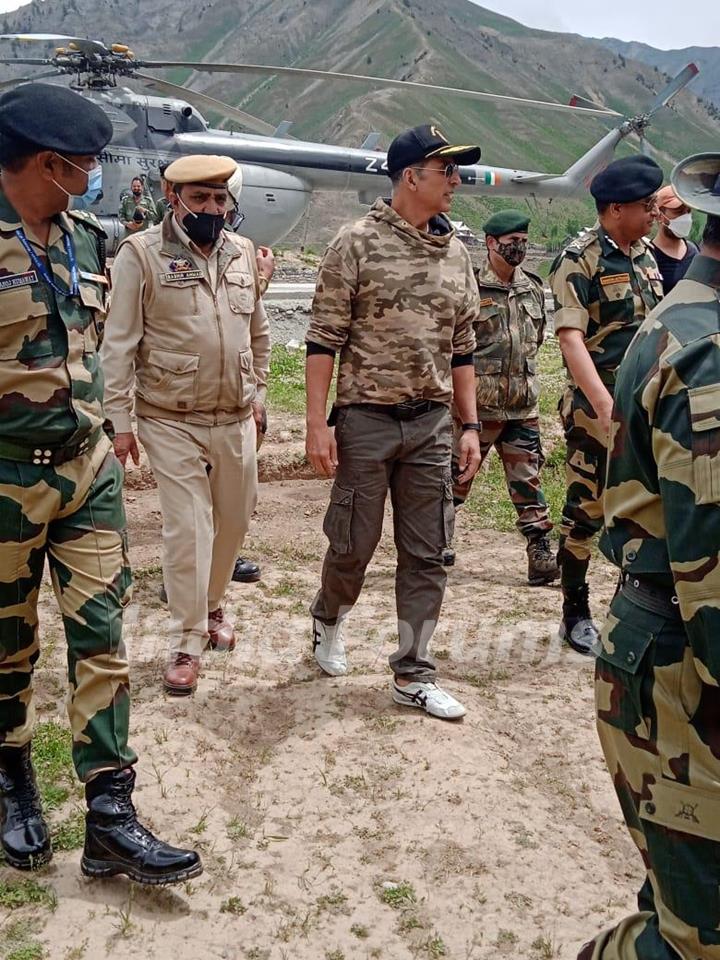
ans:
(424, 142)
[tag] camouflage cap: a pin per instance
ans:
(50, 117)
(627, 180)
(206, 169)
(696, 180)
(506, 221)
(422, 143)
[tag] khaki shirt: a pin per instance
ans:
(189, 332)
(509, 334)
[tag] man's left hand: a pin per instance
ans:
(261, 421)
(468, 455)
(265, 259)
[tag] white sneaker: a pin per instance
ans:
(329, 648)
(429, 697)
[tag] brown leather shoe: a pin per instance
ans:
(222, 635)
(181, 674)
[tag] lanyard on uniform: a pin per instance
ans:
(43, 270)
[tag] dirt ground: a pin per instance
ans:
(332, 823)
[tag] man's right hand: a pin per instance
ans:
(321, 449)
(124, 444)
(603, 409)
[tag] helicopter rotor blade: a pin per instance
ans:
(34, 61)
(204, 102)
(673, 88)
(373, 81)
(81, 43)
(18, 80)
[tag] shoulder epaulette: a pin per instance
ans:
(87, 219)
(579, 245)
(534, 276)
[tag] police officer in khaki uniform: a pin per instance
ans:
(509, 335)
(188, 330)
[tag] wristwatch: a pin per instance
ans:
(472, 426)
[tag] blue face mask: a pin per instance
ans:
(93, 190)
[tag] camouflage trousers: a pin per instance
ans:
(659, 725)
(73, 515)
(585, 466)
(518, 445)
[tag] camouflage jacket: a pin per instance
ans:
(51, 384)
(604, 293)
(662, 499)
(397, 303)
(510, 331)
(147, 205)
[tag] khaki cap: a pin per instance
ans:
(201, 168)
(666, 197)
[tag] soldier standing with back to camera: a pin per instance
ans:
(604, 283)
(657, 681)
(61, 487)
(397, 297)
(509, 335)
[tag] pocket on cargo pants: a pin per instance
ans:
(337, 525)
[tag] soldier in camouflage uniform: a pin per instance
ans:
(138, 210)
(657, 680)
(61, 488)
(509, 334)
(604, 284)
(397, 297)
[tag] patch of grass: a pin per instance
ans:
(331, 901)
(398, 895)
(237, 829)
(52, 759)
(27, 951)
(334, 955)
(69, 834)
(233, 905)
(286, 381)
(506, 938)
(23, 891)
(359, 931)
(543, 948)
(435, 947)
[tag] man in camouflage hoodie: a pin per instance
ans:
(397, 297)
(604, 283)
(509, 335)
(61, 488)
(657, 681)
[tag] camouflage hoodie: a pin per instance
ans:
(397, 303)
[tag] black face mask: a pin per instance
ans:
(513, 253)
(137, 193)
(203, 228)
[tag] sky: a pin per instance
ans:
(666, 24)
(657, 22)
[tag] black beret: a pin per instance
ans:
(506, 221)
(50, 117)
(626, 180)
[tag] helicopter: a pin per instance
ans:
(280, 173)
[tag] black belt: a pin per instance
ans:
(44, 454)
(650, 596)
(407, 410)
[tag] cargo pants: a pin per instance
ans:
(73, 515)
(518, 445)
(411, 458)
(585, 467)
(659, 725)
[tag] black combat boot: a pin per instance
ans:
(25, 836)
(577, 628)
(245, 571)
(542, 565)
(116, 841)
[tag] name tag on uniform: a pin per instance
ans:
(94, 277)
(615, 278)
(487, 302)
(181, 269)
(185, 275)
(12, 280)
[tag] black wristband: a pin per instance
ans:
(477, 427)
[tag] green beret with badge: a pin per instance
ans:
(506, 221)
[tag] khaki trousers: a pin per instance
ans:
(207, 481)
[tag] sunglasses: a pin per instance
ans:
(448, 171)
